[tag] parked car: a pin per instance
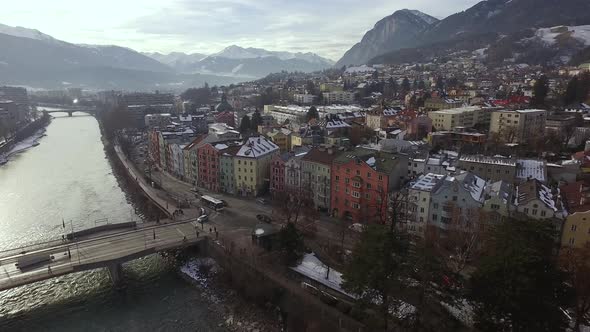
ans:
(264, 218)
(356, 227)
(261, 201)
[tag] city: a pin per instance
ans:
(436, 176)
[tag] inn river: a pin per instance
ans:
(67, 177)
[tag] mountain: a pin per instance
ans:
(181, 62)
(391, 33)
(27, 33)
(501, 17)
(509, 16)
(29, 57)
(236, 61)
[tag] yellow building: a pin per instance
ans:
(282, 138)
(252, 165)
(518, 126)
(467, 117)
(576, 230)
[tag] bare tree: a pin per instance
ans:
(576, 263)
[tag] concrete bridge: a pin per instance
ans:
(70, 109)
(105, 249)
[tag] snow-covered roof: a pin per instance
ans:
(427, 182)
(335, 124)
(473, 184)
(488, 160)
(359, 69)
(314, 269)
(531, 169)
(256, 147)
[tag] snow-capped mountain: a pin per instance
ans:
(484, 19)
(27, 33)
(237, 52)
(391, 33)
(243, 62)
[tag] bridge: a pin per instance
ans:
(103, 249)
(70, 109)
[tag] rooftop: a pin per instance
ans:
(427, 182)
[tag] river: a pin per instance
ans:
(67, 178)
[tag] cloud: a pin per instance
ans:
(326, 27)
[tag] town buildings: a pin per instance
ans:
(316, 168)
(252, 165)
(518, 126)
(362, 181)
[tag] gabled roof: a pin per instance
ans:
(256, 147)
(321, 155)
(380, 161)
(534, 189)
(195, 142)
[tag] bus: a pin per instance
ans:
(212, 203)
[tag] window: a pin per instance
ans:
(347, 191)
(356, 194)
(239, 162)
(574, 227)
(435, 205)
(572, 240)
(367, 196)
(526, 210)
(421, 219)
(347, 180)
(495, 207)
(421, 210)
(534, 212)
(380, 177)
(356, 206)
(356, 184)
(434, 217)
(445, 220)
(454, 198)
(337, 178)
(368, 174)
(368, 186)
(358, 172)
(347, 170)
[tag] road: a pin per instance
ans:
(240, 215)
(97, 251)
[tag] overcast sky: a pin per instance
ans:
(326, 27)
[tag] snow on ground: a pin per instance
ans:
(580, 32)
(237, 68)
(25, 143)
(463, 311)
(194, 269)
(314, 269)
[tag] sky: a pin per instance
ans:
(326, 27)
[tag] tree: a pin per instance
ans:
(540, 91)
(378, 267)
(405, 85)
(310, 87)
(570, 96)
(245, 125)
(440, 83)
(517, 281)
(576, 263)
(312, 113)
(421, 85)
(291, 244)
(256, 121)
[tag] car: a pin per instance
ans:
(224, 202)
(356, 227)
(261, 201)
(264, 218)
(202, 219)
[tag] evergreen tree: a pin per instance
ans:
(377, 267)
(245, 125)
(291, 244)
(415, 84)
(421, 85)
(256, 121)
(517, 285)
(440, 83)
(570, 95)
(312, 113)
(540, 91)
(405, 85)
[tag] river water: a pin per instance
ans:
(67, 179)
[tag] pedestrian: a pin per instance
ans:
(49, 269)
(154, 234)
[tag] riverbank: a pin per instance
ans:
(26, 138)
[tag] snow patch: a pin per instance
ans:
(580, 32)
(237, 68)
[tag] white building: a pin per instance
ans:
(302, 98)
(339, 97)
